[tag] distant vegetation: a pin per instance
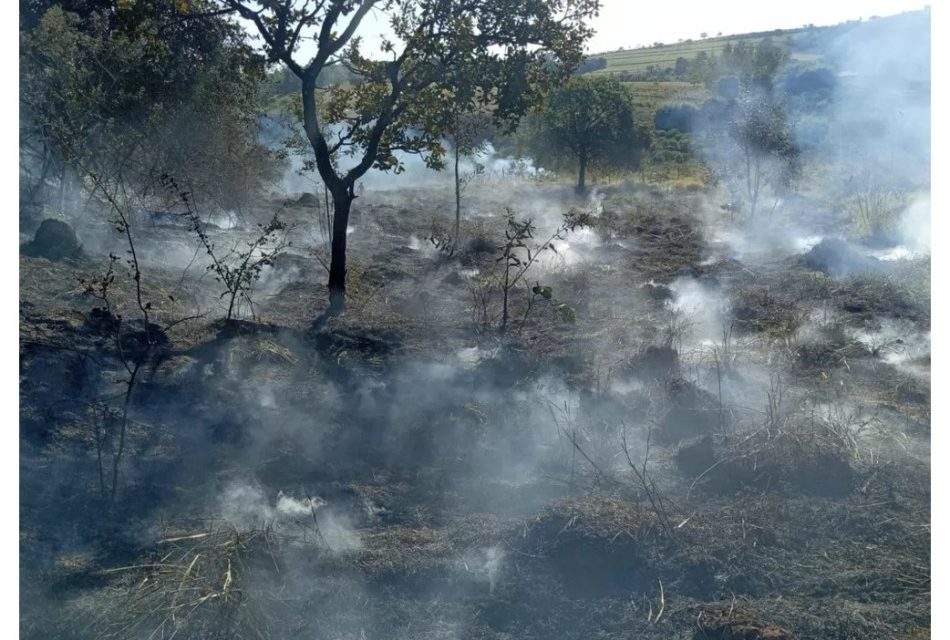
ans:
(588, 121)
(674, 87)
(650, 63)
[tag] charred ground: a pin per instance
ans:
(676, 440)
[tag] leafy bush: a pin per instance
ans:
(678, 117)
(592, 64)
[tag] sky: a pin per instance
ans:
(629, 24)
(623, 23)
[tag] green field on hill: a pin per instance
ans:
(664, 56)
(648, 96)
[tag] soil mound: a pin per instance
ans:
(689, 411)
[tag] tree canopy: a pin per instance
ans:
(590, 119)
(136, 88)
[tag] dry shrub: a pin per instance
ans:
(763, 309)
(598, 545)
(207, 585)
(807, 459)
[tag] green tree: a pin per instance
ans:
(754, 64)
(467, 134)
(119, 90)
(590, 120)
(681, 67)
(398, 103)
(755, 150)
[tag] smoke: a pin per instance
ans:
(860, 111)
(914, 227)
(700, 313)
(486, 565)
(486, 166)
(246, 507)
(899, 343)
(881, 107)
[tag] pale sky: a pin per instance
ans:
(624, 23)
(629, 23)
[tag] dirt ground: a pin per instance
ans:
(682, 440)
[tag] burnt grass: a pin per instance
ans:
(751, 517)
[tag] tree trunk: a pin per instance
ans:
(458, 200)
(342, 200)
(62, 187)
(505, 289)
(754, 187)
(582, 175)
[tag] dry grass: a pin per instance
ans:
(205, 584)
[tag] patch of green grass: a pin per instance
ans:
(662, 57)
(648, 96)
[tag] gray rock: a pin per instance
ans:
(839, 259)
(307, 200)
(54, 240)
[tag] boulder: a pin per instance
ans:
(307, 200)
(839, 259)
(54, 240)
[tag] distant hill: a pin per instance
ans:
(649, 72)
(664, 56)
(805, 44)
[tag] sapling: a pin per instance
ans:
(133, 350)
(237, 269)
(517, 256)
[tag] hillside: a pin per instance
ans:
(664, 56)
(804, 44)
(651, 72)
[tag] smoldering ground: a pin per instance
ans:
(401, 463)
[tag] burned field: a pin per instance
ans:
(674, 437)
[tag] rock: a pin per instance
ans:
(658, 291)
(307, 200)
(839, 259)
(54, 240)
